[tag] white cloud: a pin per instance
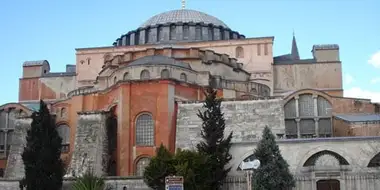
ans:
(360, 93)
(348, 79)
(375, 80)
(375, 60)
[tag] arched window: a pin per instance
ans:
(63, 113)
(114, 80)
(145, 75)
(311, 119)
(239, 52)
(375, 161)
(126, 76)
(64, 132)
(160, 35)
(326, 158)
(173, 32)
(141, 164)
(7, 126)
(165, 74)
(210, 33)
(185, 32)
(198, 32)
(144, 130)
(183, 77)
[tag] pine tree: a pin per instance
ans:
(44, 168)
(273, 172)
(214, 144)
(160, 166)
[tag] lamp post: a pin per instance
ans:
(248, 167)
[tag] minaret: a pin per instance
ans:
(183, 4)
(294, 53)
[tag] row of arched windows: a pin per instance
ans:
(145, 75)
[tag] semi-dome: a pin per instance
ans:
(184, 16)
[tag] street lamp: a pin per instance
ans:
(249, 167)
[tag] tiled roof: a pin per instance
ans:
(35, 63)
(359, 117)
(184, 16)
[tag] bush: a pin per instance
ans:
(89, 181)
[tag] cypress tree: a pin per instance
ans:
(44, 168)
(273, 172)
(214, 144)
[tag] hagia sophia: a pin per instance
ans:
(118, 103)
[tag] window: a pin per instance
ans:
(145, 75)
(64, 132)
(147, 35)
(125, 76)
(183, 77)
(114, 80)
(141, 164)
(160, 34)
(63, 113)
(185, 32)
(144, 130)
(265, 49)
(210, 33)
(253, 91)
(88, 61)
(312, 110)
(173, 32)
(239, 52)
(7, 126)
(165, 74)
(259, 49)
(198, 33)
(2, 141)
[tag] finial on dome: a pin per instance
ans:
(183, 4)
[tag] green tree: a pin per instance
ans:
(273, 172)
(192, 166)
(214, 144)
(159, 167)
(44, 168)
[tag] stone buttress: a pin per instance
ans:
(15, 165)
(90, 146)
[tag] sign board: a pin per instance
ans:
(174, 183)
(250, 165)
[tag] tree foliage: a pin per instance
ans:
(273, 172)
(44, 168)
(187, 163)
(160, 166)
(193, 167)
(214, 144)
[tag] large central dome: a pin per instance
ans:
(185, 16)
(177, 26)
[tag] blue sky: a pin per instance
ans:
(46, 29)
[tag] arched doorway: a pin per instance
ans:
(330, 184)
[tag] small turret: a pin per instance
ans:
(33, 69)
(326, 53)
